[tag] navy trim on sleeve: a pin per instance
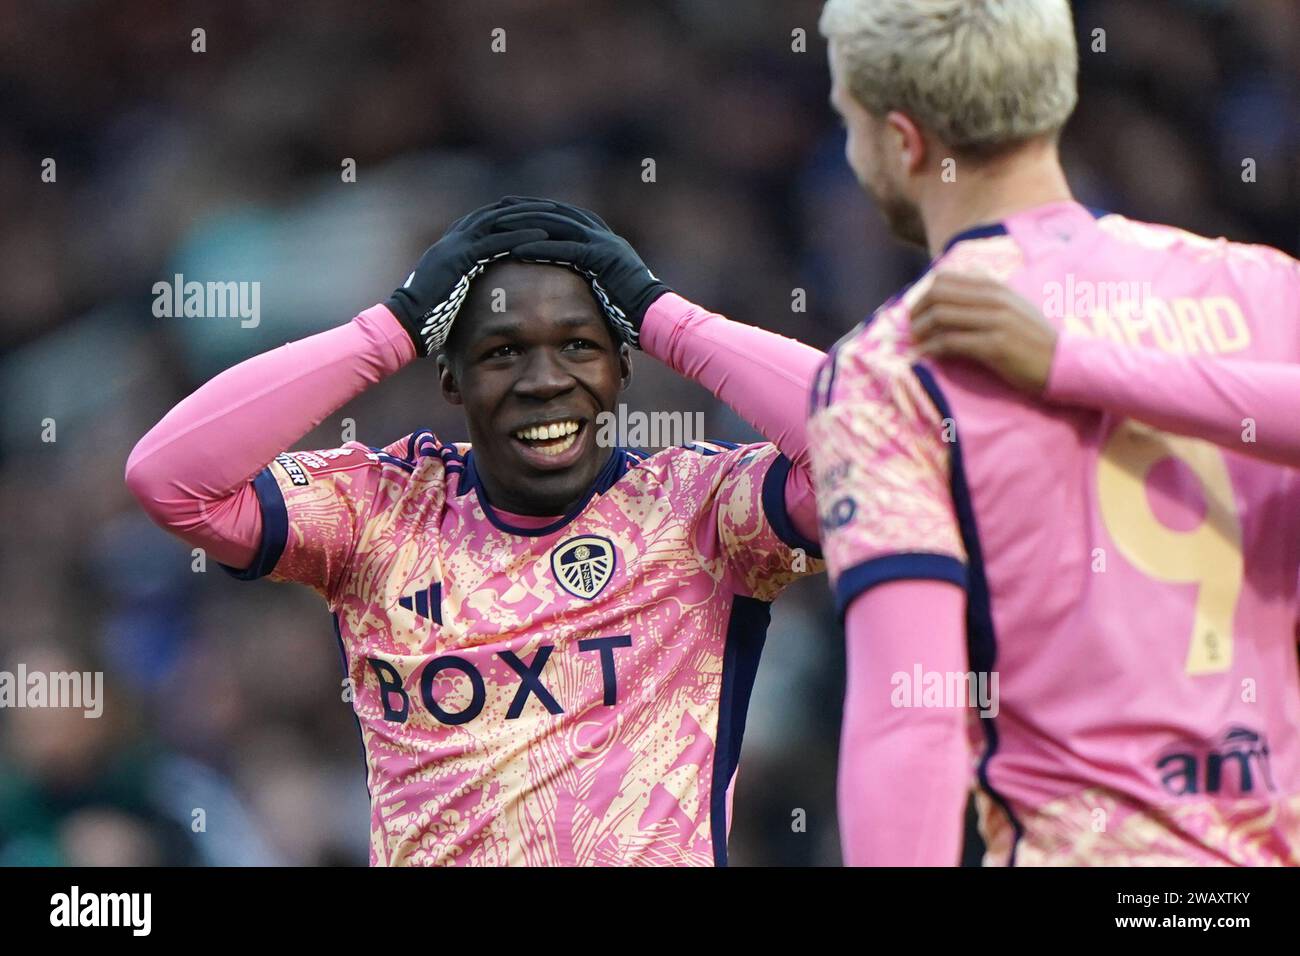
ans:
(981, 635)
(911, 566)
(746, 634)
(819, 396)
(347, 675)
(778, 516)
(275, 529)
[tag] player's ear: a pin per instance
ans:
(624, 366)
(908, 141)
(447, 380)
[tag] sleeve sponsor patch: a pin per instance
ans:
(310, 460)
(297, 474)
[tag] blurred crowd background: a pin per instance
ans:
(226, 165)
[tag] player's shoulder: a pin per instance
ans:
(1185, 244)
(699, 457)
(303, 468)
(876, 358)
(989, 251)
(420, 451)
(871, 356)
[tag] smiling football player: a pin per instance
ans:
(552, 643)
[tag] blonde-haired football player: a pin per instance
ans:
(1090, 618)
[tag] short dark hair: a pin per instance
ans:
(454, 347)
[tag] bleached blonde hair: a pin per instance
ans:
(980, 75)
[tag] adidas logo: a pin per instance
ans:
(426, 602)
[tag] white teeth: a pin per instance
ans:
(559, 447)
(548, 432)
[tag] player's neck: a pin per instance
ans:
(990, 192)
(532, 502)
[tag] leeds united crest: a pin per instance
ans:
(583, 565)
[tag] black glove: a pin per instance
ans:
(428, 301)
(575, 237)
(577, 212)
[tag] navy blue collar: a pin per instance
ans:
(614, 468)
(998, 229)
(975, 232)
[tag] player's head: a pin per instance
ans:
(920, 81)
(531, 349)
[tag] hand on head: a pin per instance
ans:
(427, 303)
(530, 229)
(578, 238)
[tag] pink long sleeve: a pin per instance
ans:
(763, 376)
(1209, 398)
(193, 471)
(904, 772)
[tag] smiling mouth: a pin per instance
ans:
(551, 438)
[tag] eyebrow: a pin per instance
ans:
(512, 327)
(573, 321)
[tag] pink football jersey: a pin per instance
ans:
(1133, 591)
(567, 693)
